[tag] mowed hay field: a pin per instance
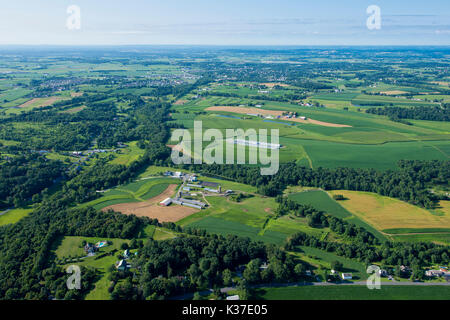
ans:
(322, 201)
(387, 213)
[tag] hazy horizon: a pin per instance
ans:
(224, 23)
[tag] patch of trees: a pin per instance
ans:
(414, 113)
(23, 178)
(186, 264)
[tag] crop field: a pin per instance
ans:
(71, 118)
(153, 210)
(323, 259)
(386, 213)
(251, 218)
(322, 201)
(355, 292)
(137, 191)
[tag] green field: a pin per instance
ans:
(137, 191)
(14, 215)
(355, 292)
(251, 218)
(323, 259)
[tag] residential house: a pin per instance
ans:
(347, 276)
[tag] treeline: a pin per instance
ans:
(410, 183)
(23, 178)
(414, 113)
(319, 219)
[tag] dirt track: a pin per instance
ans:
(152, 209)
(244, 110)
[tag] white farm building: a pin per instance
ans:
(166, 202)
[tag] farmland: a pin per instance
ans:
(85, 146)
(137, 191)
(355, 293)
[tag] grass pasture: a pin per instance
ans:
(14, 215)
(251, 218)
(355, 292)
(129, 154)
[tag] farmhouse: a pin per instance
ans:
(434, 273)
(122, 265)
(166, 202)
(347, 276)
(264, 266)
(90, 249)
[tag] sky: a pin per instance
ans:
(223, 22)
